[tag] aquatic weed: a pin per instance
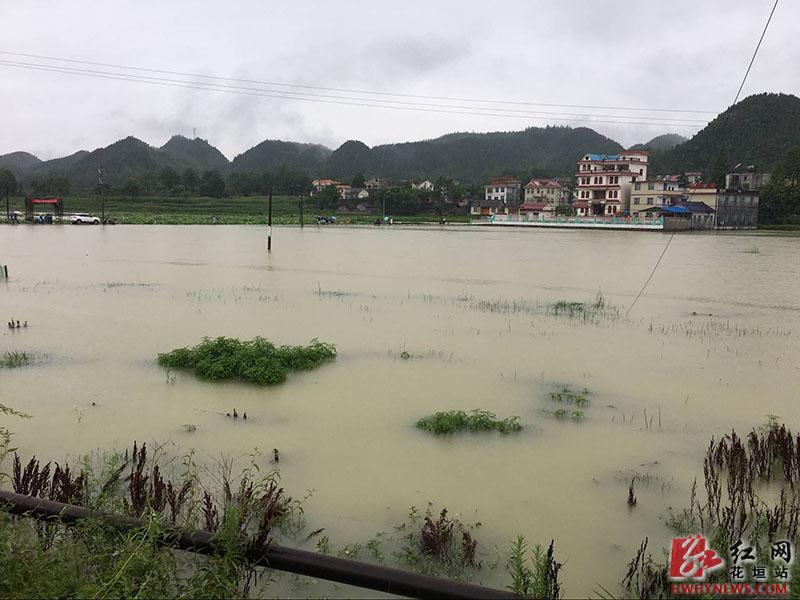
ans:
(257, 361)
(458, 420)
(11, 360)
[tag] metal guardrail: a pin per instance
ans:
(274, 556)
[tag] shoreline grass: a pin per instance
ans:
(233, 210)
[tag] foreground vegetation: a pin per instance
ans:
(246, 511)
(257, 361)
(458, 420)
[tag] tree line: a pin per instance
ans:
(779, 201)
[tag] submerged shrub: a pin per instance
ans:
(258, 360)
(565, 394)
(10, 360)
(476, 420)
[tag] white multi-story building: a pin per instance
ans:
(504, 189)
(604, 180)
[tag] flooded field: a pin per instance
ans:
(424, 320)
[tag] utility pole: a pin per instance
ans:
(269, 222)
(102, 195)
(301, 212)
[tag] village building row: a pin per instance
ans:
(618, 186)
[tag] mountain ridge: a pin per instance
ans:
(758, 130)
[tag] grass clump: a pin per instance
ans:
(10, 360)
(258, 360)
(575, 415)
(570, 396)
(458, 420)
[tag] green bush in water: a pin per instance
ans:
(258, 360)
(458, 420)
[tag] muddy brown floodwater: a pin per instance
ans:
(711, 345)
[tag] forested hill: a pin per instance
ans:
(760, 130)
(473, 157)
(661, 142)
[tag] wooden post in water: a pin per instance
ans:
(269, 222)
(101, 185)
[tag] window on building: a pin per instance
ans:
(637, 186)
(651, 186)
(637, 200)
(649, 202)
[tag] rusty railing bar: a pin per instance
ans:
(282, 558)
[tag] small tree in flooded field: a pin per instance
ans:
(328, 198)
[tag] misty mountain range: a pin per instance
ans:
(758, 130)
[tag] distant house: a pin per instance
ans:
(702, 215)
(702, 192)
(544, 190)
(376, 183)
(488, 207)
(426, 185)
(532, 210)
(665, 191)
(506, 190)
(321, 184)
(582, 208)
(746, 181)
(345, 191)
(737, 209)
(694, 176)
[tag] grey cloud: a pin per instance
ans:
(680, 54)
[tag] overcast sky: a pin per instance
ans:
(681, 55)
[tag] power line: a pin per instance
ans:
(653, 272)
(290, 94)
(352, 91)
(752, 60)
(361, 102)
(658, 262)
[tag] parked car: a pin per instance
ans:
(84, 219)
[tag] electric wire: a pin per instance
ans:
(352, 91)
(752, 60)
(368, 103)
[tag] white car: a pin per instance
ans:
(84, 219)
